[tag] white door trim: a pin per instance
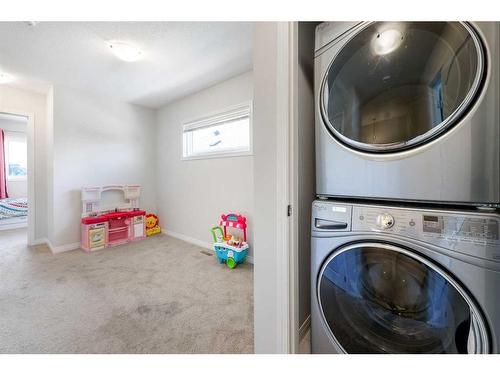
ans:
(31, 167)
(287, 318)
(295, 335)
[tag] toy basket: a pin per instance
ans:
(231, 255)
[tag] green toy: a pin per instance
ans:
(218, 234)
(231, 263)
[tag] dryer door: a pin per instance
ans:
(396, 85)
(381, 298)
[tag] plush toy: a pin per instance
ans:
(152, 225)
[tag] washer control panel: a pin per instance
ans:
(468, 228)
(451, 230)
(471, 233)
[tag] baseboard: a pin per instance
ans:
(63, 248)
(191, 240)
(180, 236)
(195, 241)
(304, 328)
(40, 241)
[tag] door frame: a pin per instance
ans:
(30, 135)
(287, 267)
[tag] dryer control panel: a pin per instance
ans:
(471, 233)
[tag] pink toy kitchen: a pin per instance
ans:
(105, 224)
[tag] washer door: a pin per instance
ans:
(381, 298)
(396, 85)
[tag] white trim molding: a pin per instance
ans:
(286, 277)
(188, 239)
(63, 248)
(56, 249)
(195, 241)
(40, 241)
(229, 114)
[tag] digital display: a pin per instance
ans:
(463, 227)
(433, 224)
(431, 218)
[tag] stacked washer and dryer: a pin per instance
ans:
(405, 230)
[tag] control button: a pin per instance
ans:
(385, 221)
(361, 217)
(412, 223)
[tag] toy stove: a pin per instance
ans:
(105, 226)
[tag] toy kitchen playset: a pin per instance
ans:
(110, 225)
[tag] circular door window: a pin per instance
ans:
(380, 298)
(396, 85)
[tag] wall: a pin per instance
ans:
(305, 159)
(16, 189)
(193, 193)
(265, 187)
(97, 141)
(49, 167)
(14, 100)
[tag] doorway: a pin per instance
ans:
(16, 185)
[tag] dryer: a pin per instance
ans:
(393, 279)
(408, 111)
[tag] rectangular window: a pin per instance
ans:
(16, 156)
(226, 133)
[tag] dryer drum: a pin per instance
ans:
(381, 298)
(396, 85)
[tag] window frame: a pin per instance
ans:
(244, 110)
(10, 135)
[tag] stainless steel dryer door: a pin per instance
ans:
(381, 298)
(396, 85)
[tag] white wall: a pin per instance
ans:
(16, 189)
(265, 171)
(13, 100)
(97, 141)
(193, 193)
(49, 167)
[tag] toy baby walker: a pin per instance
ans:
(230, 249)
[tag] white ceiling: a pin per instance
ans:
(180, 57)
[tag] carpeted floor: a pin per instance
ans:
(160, 295)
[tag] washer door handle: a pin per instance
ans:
(329, 224)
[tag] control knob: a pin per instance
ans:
(385, 221)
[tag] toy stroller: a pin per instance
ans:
(228, 249)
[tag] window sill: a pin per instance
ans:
(217, 156)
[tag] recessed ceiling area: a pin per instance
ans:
(179, 57)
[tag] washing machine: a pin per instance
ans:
(408, 111)
(393, 279)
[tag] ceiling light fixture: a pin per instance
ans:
(6, 78)
(125, 51)
(387, 41)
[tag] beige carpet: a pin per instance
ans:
(160, 295)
